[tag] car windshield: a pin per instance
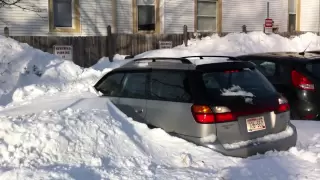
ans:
(245, 82)
(314, 68)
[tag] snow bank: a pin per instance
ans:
(265, 139)
(87, 138)
(81, 143)
(27, 73)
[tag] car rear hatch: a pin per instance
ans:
(244, 102)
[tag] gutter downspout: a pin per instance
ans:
(114, 16)
(319, 18)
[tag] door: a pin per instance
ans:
(132, 99)
(110, 86)
(169, 105)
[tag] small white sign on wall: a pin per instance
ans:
(63, 51)
(165, 44)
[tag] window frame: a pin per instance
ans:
(75, 19)
(217, 15)
(135, 18)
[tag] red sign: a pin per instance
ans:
(268, 22)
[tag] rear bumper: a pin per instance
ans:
(305, 110)
(250, 150)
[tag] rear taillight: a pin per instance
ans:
(205, 115)
(283, 105)
(300, 81)
(231, 71)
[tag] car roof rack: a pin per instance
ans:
(201, 57)
(154, 59)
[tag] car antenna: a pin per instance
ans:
(302, 53)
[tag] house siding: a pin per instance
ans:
(309, 18)
(124, 16)
(95, 16)
(178, 13)
(252, 14)
(22, 23)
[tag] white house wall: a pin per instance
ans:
(252, 13)
(124, 16)
(22, 23)
(178, 13)
(309, 18)
(95, 16)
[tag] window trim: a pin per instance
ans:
(218, 15)
(75, 19)
(135, 18)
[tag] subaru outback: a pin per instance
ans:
(227, 106)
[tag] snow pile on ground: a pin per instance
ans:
(240, 43)
(90, 141)
(59, 129)
(26, 73)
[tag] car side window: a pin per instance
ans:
(267, 68)
(169, 86)
(134, 85)
(110, 85)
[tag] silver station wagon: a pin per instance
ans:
(228, 106)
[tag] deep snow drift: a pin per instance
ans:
(53, 127)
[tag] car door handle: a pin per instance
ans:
(139, 111)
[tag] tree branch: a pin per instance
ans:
(15, 3)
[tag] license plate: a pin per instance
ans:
(255, 124)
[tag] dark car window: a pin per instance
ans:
(134, 85)
(267, 68)
(247, 81)
(110, 85)
(169, 86)
(314, 68)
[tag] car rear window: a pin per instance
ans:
(314, 68)
(245, 82)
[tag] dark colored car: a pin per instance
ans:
(296, 76)
(228, 106)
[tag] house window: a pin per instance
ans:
(206, 15)
(62, 12)
(64, 16)
(292, 15)
(146, 15)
